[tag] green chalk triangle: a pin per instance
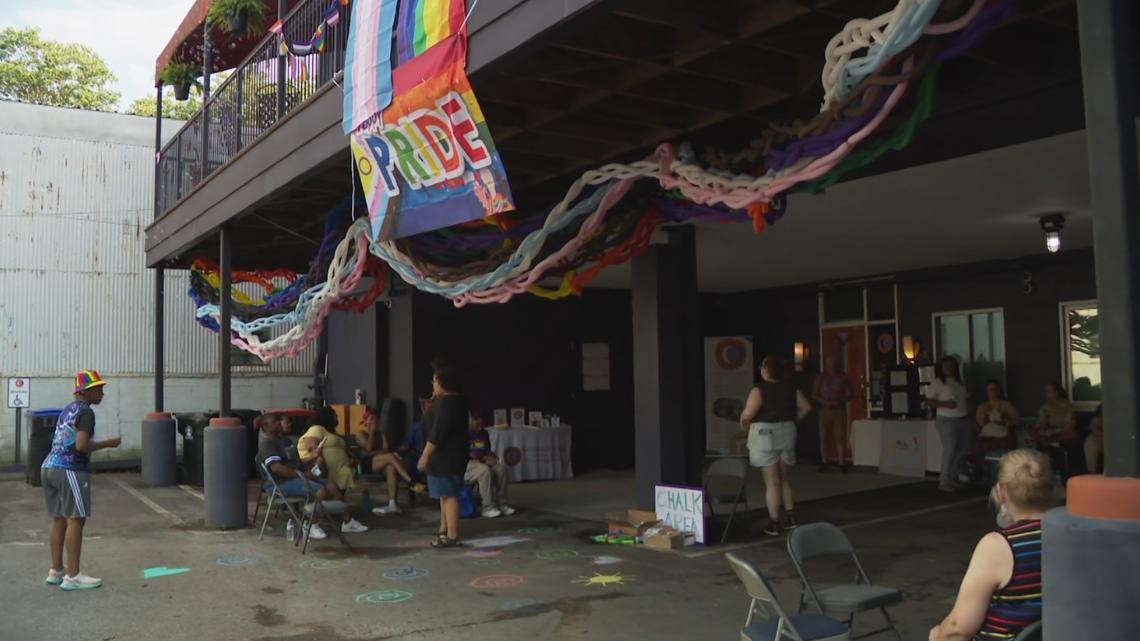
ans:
(154, 573)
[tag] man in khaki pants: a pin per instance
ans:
(832, 391)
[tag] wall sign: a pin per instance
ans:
(19, 392)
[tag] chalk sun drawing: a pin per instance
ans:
(602, 580)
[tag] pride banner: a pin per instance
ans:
(422, 24)
(430, 162)
(368, 62)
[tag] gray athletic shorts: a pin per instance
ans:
(67, 493)
(770, 443)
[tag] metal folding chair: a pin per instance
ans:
(773, 624)
(815, 540)
(268, 488)
(721, 475)
(316, 511)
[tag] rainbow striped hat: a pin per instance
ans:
(88, 379)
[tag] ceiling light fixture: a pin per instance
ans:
(1052, 224)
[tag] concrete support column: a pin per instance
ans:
(225, 267)
(668, 376)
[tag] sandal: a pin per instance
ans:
(445, 542)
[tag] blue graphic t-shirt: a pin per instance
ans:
(77, 417)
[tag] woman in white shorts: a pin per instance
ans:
(769, 419)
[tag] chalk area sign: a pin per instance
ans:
(682, 508)
(19, 392)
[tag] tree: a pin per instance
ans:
(47, 72)
(171, 108)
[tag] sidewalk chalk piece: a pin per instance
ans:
(154, 573)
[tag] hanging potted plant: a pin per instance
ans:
(239, 17)
(180, 75)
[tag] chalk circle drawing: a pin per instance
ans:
(235, 559)
(602, 579)
(406, 574)
(494, 581)
(519, 604)
(325, 564)
(385, 597)
(539, 530)
(488, 562)
(556, 555)
(607, 560)
(482, 553)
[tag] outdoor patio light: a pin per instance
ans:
(908, 349)
(799, 353)
(1052, 225)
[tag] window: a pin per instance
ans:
(860, 331)
(976, 338)
(1080, 352)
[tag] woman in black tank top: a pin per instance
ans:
(768, 419)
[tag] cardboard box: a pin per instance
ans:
(630, 522)
(664, 538)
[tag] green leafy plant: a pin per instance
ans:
(180, 75)
(241, 17)
(47, 72)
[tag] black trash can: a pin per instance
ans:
(248, 417)
(41, 429)
(192, 427)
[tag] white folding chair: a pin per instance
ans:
(725, 483)
(816, 540)
(773, 624)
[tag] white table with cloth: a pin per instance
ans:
(534, 454)
(906, 447)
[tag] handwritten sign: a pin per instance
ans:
(682, 508)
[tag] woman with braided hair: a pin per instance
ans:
(1001, 592)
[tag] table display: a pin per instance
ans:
(897, 446)
(534, 453)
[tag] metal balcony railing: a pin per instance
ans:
(258, 93)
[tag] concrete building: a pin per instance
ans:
(76, 194)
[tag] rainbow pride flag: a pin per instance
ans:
(422, 24)
(429, 161)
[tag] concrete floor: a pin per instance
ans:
(392, 586)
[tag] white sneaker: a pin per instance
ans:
(316, 533)
(353, 527)
(55, 577)
(385, 510)
(490, 513)
(506, 509)
(80, 582)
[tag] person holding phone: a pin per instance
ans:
(66, 474)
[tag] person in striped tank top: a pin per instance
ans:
(1001, 592)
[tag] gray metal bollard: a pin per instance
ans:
(159, 455)
(225, 473)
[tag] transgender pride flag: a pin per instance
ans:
(368, 81)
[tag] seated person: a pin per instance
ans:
(1094, 442)
(485, 469)
(997, 420)
(379, 458)
(1056, 420)
(321, 444)
(1001, 593)
(275, 452)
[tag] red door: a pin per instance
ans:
(848, 346)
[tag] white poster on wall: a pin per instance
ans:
(728, 379)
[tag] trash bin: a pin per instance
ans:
(247, 420)
(41, 429)
(192, 427)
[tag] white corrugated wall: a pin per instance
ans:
(74, 290)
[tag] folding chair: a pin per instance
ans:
(275, 496)
(316, 511)
(1031, 632)
(721, 474)
(774, 624)
(816, 540)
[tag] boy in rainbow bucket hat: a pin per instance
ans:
(66, 474)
